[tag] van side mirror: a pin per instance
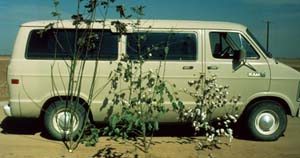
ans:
(240, 55)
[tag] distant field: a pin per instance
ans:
(295, 63)
(4, 60)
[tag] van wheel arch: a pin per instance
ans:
(57, 98)
(254, 116)
(280, 101)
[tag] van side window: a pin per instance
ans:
(225, 44)
(162, 46)
(59, 44)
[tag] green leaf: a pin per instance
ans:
(139, 10)
(110, 111)
(54, 14)
(160, 114)
(166, 51)
(156, 125)
(114, 121)
(56, 3)
(117, 131)
(143, 126)
(174, 105)
(137, 122)
(128, 117)
(174, 85)
(150, 127)
(129, 127)
(197, 87)
(104, 3)
(104, 103)
(125, 135)
(121, 10)
(180, 105)
(170, 96)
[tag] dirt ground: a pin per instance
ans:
(22, 138)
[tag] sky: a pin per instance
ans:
(284, 16)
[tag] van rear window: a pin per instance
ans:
(60, 44)
(162, 46)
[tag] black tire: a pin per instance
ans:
(266, 120)
(57, 120)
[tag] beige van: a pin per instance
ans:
(269, 90)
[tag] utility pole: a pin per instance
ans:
(268, 33)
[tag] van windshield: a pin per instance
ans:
(268, 54)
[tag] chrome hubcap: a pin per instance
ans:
(64, 122)
(267, 122)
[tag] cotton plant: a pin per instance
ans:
(209, 96)
(141, 100)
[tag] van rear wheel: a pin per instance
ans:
(266, 120)
(63, 121)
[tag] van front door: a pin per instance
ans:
(247, 77)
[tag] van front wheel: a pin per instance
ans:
(63, 121)
(266, 121)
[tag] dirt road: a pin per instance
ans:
(22, 138)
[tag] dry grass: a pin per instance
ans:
(4, 60)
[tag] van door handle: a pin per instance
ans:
(212, 67)
(187, 67)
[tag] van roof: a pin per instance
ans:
(148, 23)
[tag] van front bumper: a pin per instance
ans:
(7, 110)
